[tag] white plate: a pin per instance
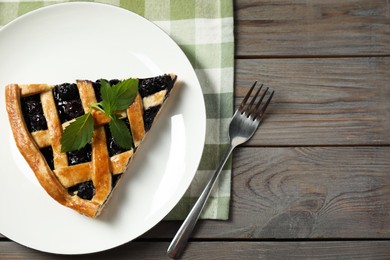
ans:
(65, 42)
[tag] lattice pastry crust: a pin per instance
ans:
(58, 177)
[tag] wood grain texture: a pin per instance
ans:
(312, 192)
(221, 250)
(319, 167)
(321, 101)
(312, 28)
(308, 193)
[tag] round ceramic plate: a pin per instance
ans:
(66, 42)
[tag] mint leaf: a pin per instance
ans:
(114, 98)
(97, 106)
(125, 93)
(108, 97)
(120, 133)
(78, 133)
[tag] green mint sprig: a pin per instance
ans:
(118, 97)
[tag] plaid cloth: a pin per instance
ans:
(204, 30)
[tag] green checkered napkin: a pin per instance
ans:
(204, 30)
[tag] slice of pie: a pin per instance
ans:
(83, 179)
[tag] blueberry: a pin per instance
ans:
(66, 91)
(150, 86)
(33, 113)
(149, 116)
(80, 156)
(48, 154)
(114, 82)
(33, 106)
(96, 87)
(113, 147)
(85, 190)
(68, 102)
(38, 122)
(69, 110)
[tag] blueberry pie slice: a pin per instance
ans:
(79, 138)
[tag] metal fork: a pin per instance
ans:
(243, 125)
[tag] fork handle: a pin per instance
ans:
(180, 240)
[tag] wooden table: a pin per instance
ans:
(314, 182)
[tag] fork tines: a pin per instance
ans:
(255, 111)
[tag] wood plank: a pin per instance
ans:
(321, 101)
(334, 192)
(307, 192)
(222, 250)
(289, 193)
(312, 28)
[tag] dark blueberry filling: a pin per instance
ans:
(149, 115)
(68, 102)
(113, 147)
(85, 190)
(80, 156)
(96, 88)
(150, 86)
(33, 113)
(66, 92)
(115, 179)
(48, 154)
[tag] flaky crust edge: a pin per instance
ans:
(35, 159)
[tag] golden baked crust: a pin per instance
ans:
(99, 170)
